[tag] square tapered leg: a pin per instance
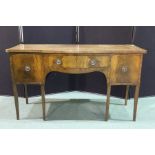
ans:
(26, 93)
(15, 92)
(126, 94)
(107, 102)
(43, 101)
(136, 101)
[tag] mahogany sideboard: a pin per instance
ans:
(121, 65)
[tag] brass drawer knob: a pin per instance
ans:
(124, 69)
(58, 62)
(27, 68)
(93, 62)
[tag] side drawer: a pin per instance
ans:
(125, 68)
(27, 68)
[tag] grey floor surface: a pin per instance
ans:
(76, 110)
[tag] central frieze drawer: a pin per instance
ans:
(92, 61)
(59, 61)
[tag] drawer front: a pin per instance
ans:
(27, 68)
(93, 61)
(60, 62)
(125, 68)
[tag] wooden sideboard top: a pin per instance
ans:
(77, 48)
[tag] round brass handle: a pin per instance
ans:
(124, 69)
(27, 68)
(93, 62)
(58, 62)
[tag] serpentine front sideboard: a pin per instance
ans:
(121, 65)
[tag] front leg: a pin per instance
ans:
(43, 101)
(15, 92)
(136, 101)
(107, 101)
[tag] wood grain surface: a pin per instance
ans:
(80, 48)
